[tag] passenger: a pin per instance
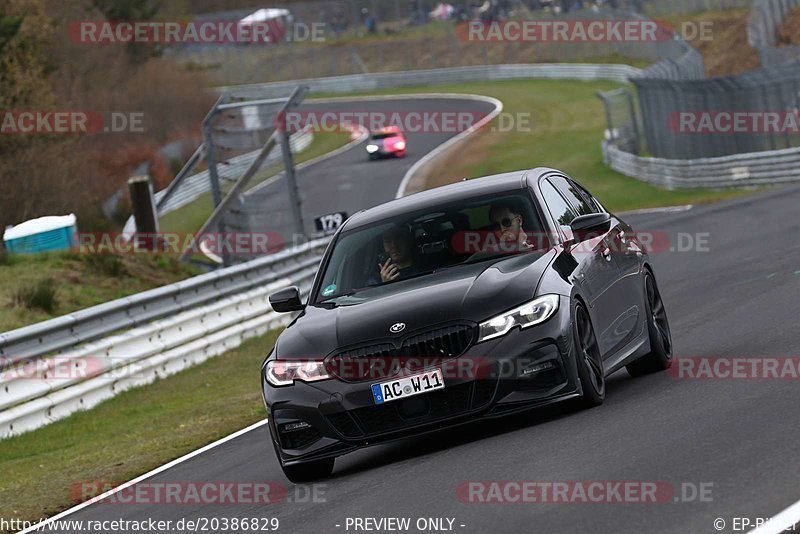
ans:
(509, 225)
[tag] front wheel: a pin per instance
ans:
(660, 356)
(589, 360)
(309, 471)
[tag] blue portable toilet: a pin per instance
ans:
(42, 234)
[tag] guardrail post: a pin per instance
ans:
(144, 212)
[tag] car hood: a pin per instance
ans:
(470, 293)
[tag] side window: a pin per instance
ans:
(596, 206)
(561, 211)
(573, 194)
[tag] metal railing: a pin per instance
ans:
(446, 76)
(70, 363)
(65, 332)
(739, 170)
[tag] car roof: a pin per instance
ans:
(467, 189)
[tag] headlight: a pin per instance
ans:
(284, 373)
(531, 313)
(372, 148)
(400, 145)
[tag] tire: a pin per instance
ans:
(309, 471)
(588, 359)
(660, 356)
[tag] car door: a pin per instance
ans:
(625, 293)
(596, 272)
(628, 254)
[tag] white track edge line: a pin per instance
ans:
(781, 522)
(664, 209)
(498, 107)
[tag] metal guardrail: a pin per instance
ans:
(386, 80)
(738, 170)
(65, 332)
(74, 362)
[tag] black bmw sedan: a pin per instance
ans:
(473, 300)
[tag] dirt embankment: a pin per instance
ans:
(724, 46)
(789, 34)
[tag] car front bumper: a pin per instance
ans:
(523, 369)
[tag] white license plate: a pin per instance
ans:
(407, 387)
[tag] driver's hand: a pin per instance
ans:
(389, 271)
(508, 235)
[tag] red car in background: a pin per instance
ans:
(387, 142)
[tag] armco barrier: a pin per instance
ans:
(62, 333)
(385, 80)
(738, 170)
(135, 340)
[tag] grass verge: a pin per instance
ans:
(132, 433)
(565, 126)
(37, 287)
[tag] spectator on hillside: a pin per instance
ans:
(370, 23)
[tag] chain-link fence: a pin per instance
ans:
(750, 112)
(683, 115)
(763, 31)
(623, 130)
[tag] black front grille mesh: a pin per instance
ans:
(384, 360)
(297, 439)
(344, 425)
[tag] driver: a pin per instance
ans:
(398, 244)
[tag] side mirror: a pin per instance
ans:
(593, 222)
(286, 300)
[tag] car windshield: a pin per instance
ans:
(384, 135)
(421, 243)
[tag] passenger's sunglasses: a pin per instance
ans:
(506, 222)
